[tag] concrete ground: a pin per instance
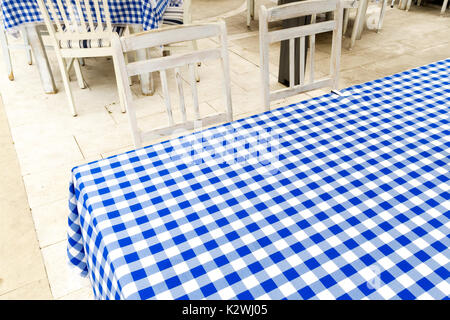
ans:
(40, 141)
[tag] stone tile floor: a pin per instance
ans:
(48, 141)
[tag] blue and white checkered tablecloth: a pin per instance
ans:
(353, 204)
(147, 13)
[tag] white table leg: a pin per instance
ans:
(5, 53)
(37, 47)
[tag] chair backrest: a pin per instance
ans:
(166, 36)
(76, 19)
(293, 10)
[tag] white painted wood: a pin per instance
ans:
(312, 48)
(168, 62)
(285, 93)
(291, 62)
(302, 60)
(193, 83)
(382, 14)
(408, 5)
(26, 44)
(5, 47)
(5, 53)
(146, 79)
(266, 37)
(40, 55)
(301, 31)
(264, 56)
(444, 7)
(226, 70)
(346, 16)
(300, 9)
(358, 21)
(180, 91)
(76, 29)
(164, 37)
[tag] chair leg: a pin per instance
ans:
(27, 45)
(382, 13)
(77, 68)
(444, 7)
(65, 78)
(408, 5)
(358, 20)
(120, 88)
(249, 18)
(252, 12)
(195, 47)
(5, 53)
(345, 23)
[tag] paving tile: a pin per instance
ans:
(63, 278)
(20, 259)
(50, 221)
(36, 290)
(85, 293)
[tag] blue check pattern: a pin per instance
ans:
(148, 13)
(357, 206)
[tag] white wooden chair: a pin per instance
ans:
(406, 4)
(167, 36)
(251, 10)
(294, 10)
(358, 26)
(79, 34)
(5, 48)
(174, 15)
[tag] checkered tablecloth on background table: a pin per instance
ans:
(147, 13)
(347, 197)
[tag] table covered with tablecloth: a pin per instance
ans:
(148, 13)
(338, 197)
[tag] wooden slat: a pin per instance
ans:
(62, 11)
(73, 17)
(193, 82)
(294, 10)
(168, 35)
(107, 15)
(89, 15)
(188, 125)
(284, 93)
(291, 63)
(312, 49)
(52, 8)
(301, 31)
(99, 17)
(336, 47)
(81, 16)
(264, 56)
(179, 82)
(226, 70)
(166, 93)
(302, 60)
(170, 62)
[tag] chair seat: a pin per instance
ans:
(173, 15)
(90, 43)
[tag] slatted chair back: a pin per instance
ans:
(75, 20)
(163, 37)
(293, 10)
